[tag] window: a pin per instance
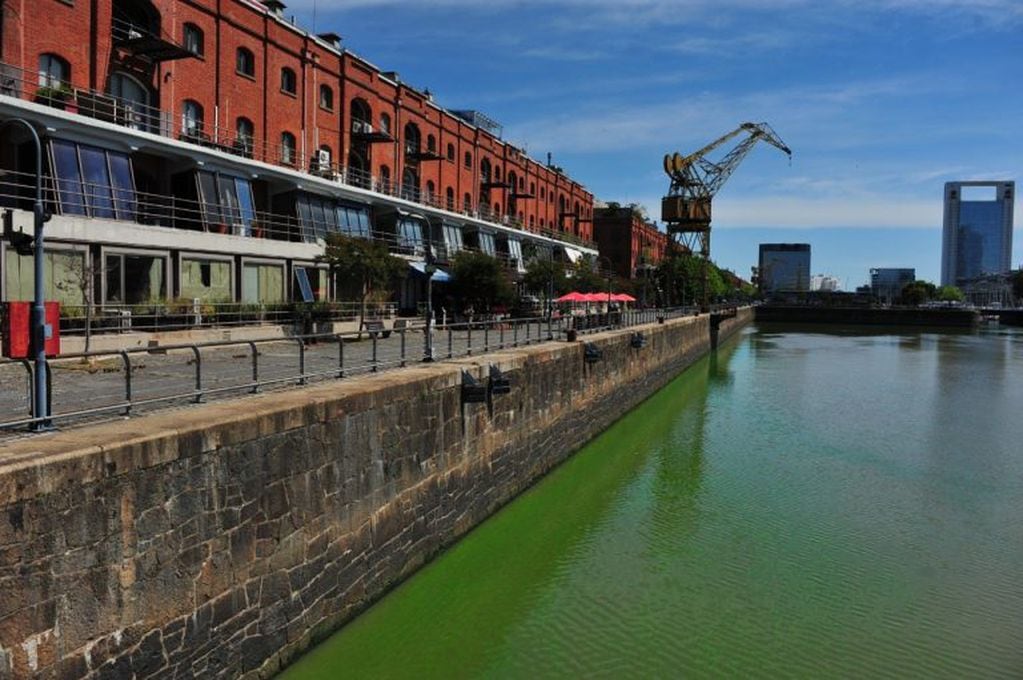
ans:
(206, 279)
(191, 119)
(485, 170)
(262, 283)
(543, 194)
(431, 143)
(497, 174)
(385, 123)
(431, 189)
(194, 40)
(532, 188)
(93, 181)
(410, 235)
(326, 98)
(353, 221)
(468, 160)
(245, 63)
(53, 71)
(245, 136)
(467, 203)
(289, 83)
(227, 203)
(486, 243)
(385, 179)
(135, 279)
(453, 238)
(451, 153)
(449, 198)
(288, 144)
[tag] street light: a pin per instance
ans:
(610, 272)
(40, 408)
(430, 268)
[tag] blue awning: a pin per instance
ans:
(439, 276)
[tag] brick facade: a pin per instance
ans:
(81, 33)
(628, 240)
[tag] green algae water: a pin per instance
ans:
(802, 504)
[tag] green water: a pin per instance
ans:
(801, 505)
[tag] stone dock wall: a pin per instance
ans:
(223, 541)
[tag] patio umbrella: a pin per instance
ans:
(622, 297)
(574, 296)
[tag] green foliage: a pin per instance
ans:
(918, 292)
(539, 274)
(1017, 285)
(585, 277)
(480, 281)
(950, 294)
(680, 278)
(362, 264)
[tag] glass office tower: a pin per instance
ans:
(977, 234)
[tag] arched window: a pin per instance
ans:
(245, 136)
(289, 82)
(431, 143)
(497, 174)
(413, 140)
(288, 146)
(324, 161)
(543, 193)
(522, 184)
(410, 185)
(326, 98)
(134, 100)
(245, 62)
(385, 179)
(449, 198)
(451, 153)
(485, 170)
(576, 211)
(467, 203)
(532, 188)
(191, 119)
(362, 116)
(431, 189)
(385, 123)
(468, 160)
(193, 40)
(54, 71)
(532, 221)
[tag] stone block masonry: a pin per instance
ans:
(223, 541)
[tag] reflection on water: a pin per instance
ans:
(802, 504)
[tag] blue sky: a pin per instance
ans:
(882, 101)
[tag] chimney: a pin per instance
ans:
(333, 39)
(276, 7)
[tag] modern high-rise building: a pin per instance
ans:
(886, 283)
(784, 267)
(825, 283)
(977, 232)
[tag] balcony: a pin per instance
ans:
(23, 85)
(139, 42)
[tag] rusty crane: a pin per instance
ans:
(695, 179)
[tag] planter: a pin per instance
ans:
(571, 335)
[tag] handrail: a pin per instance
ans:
(23, 84)
(383, 355)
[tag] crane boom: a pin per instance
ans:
(695, 179)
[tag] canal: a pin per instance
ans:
(802, 504)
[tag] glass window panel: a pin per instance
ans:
(305, 218)
(246, 204)
(69, 178)
(210, 199)
(97, 181)
(113, 276)
(123, 186)
(229, 201)
(330, 213)
(208, 280)
(143, 279)
(487, 243)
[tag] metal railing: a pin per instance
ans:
(24, 84)
(83, 198)
(129, 381)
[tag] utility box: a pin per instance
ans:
(17, 330)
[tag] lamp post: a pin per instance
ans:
(430, 268)
(550, 295)
(610, 273)
(40, 408)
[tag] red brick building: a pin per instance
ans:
(226, 106)
(625, 237)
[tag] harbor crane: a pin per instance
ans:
(695, 179)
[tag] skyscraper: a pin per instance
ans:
(784, 267)
(977, 232)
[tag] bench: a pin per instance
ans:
(375, 328)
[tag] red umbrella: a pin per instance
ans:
(574, 296)
(622, 297)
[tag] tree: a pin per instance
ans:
(361, 264)
(1017, 285)
(950, 294)
(539, 274)
(918, 292)
(480, 281)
